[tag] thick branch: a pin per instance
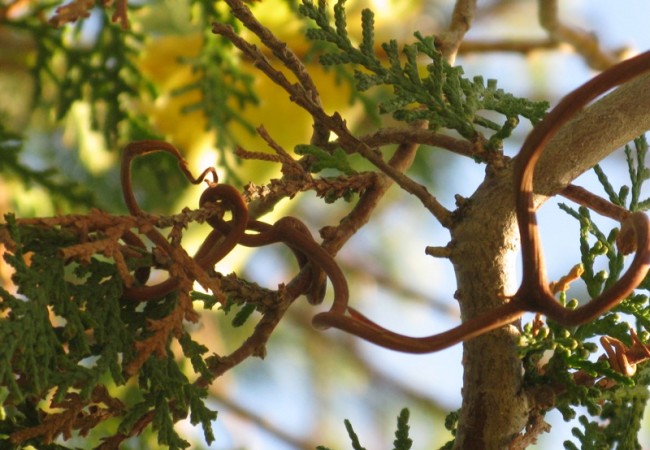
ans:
(599, 130)
(494, 406)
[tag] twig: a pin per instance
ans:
(254, 345)
(461, 20)
(289, 165)
(80, 9)
(278, 47)
(424, 136)
(302, 97)
(121, 14)
(409, 185)
(535, 426)
(252, 417)
(523, 46)
(592, 201)
(330, 188)
(335, 237)
(73, 11)
(586, 44)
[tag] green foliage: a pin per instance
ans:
(224, 88)
(620, 419)
(337, 160)
(96, 63)
(67, 333)
(242, 300)
(442, 96)
(75, 62)
(401, 442)
(243, 314)
(638, 173)
(614, 401)
(33, 346)
(603, 245)
(451, 424)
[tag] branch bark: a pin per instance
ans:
(485, 245)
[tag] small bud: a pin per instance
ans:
(583, 353)
(599, 249)
(572, 304)
(590, 347)
(602, 275)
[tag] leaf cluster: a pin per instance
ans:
(638, 174)
(433, 91)
(337, 159)
(95, 62)
(614, 401)
(74, 63)
(224, 88)
(68, 336)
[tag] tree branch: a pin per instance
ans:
(583, 42)
(461, 20)
(486, 250)
(605, 126)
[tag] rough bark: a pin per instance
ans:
(485, 244)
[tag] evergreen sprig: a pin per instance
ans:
(336, 159)
(603, 245)
(614, 401)
(451, 424)
(67, 332)
(435, 91)
(638, 173)
(402, 440)
(73, 65)
(224, 88)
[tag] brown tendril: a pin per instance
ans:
(210, 251)
(533, 294)
(228, 234)
(295, 234)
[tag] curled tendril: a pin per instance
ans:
(226, 235)
(533, 294)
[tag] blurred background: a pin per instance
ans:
(310, 381)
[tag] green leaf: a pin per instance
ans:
(353, 436)
(402, 440)
(243, 314)
(337, 159)
(442, 96)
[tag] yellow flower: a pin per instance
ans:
(287, 123)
